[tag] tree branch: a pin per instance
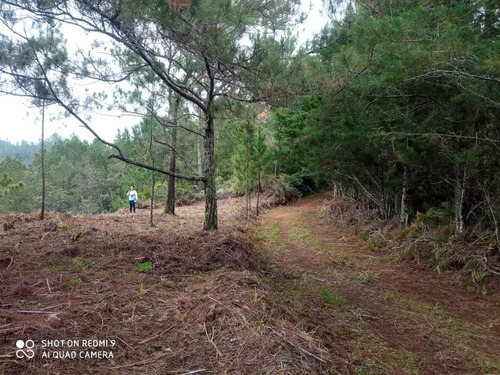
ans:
(156, 169)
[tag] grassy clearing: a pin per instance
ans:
(301, 235)
(269, 235)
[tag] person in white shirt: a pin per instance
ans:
(132, 198)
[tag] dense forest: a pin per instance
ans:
(396, 105)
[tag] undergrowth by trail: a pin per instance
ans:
(374, 313)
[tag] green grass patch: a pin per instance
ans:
(304, 237)
(269, 235)
(271, 231)
(300, 235)
(78, 264)
(374, 244)
(56, 268)
(75, 282)
(330, 298)
(367, 277)
(144, 267)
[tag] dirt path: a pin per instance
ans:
(375, 315)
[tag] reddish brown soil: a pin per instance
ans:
(409, 320)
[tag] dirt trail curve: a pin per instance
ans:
(374, 314)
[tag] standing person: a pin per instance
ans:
(132, 198)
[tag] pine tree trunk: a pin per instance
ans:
(258, 192)
(151, 221)
(249, 198)
(403, 218)
(459, 202)
(249, 201)
(199, 153)
(386, 205)
(170, 202)
(246, 200)
(42, 159)
(210, 222)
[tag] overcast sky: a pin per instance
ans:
(20, 122)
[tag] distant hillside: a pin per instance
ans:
(26, 150)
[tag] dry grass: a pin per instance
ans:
(200, 309)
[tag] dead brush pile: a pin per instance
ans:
(427, 241)
(189, 199)
(342, 209)
(173, 298)
(277, 191)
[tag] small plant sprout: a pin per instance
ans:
(367, 277)
(142, 289)
(144, 267)
(73, 283)
(78, 264)
(56, 268)
(330, 298)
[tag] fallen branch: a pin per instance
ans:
(125, 343)
(10, 264)
(158, 335)
(51, 307)
(367, 316)
(193, 372)
(298, 348)
(141, 363)
(211, 341)
(48, 285)
(2, 331)
(213, 299)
